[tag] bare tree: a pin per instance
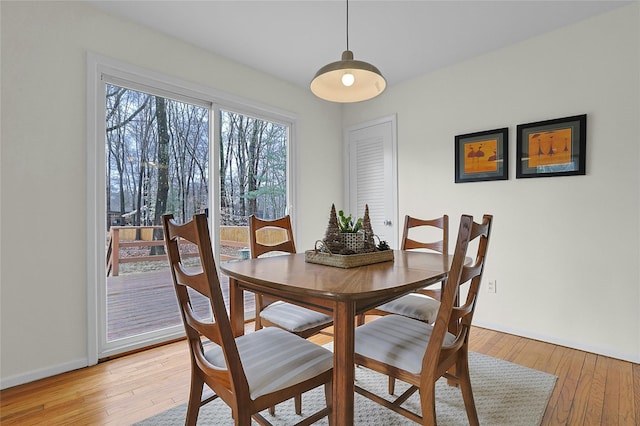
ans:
(162, 166)
(120, 113)
(253, 168)
(158, 160)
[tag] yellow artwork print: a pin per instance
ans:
(550, 148)
(481, 156)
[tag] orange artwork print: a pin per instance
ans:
(550, 148)
(481, 156)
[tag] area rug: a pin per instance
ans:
(505, 394)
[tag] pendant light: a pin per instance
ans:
(348, 80)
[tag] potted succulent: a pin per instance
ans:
(347, 225)
(352, 236)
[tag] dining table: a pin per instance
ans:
(340, 292)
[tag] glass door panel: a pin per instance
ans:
(254, 164)
(157, 162)
(253, 177)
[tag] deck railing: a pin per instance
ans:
(234, 243)
(130, 236)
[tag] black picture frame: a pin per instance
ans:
(550, 148)
(482, 156)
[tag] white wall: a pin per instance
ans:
(43, 311)
(564, 251)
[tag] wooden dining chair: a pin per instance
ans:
(268, 237)
(252, 372)
(272, 236)
(419, 353)
(424, 303)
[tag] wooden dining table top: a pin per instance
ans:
(292, 274)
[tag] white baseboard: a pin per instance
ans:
(30, 376)
(631, 357)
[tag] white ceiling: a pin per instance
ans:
(293, 39)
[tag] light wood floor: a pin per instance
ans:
(591, 389)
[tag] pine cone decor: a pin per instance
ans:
(332, 237)
(369, 243)
(349, 242)
(383, 246)
(344, 235)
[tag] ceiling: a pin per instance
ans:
(404, 39)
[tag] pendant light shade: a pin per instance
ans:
(348, 80)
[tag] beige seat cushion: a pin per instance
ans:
(274, 359)
(396, 340)
(418, 306)
(293, 317)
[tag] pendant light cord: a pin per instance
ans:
(347, 24)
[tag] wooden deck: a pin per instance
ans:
(146, 301)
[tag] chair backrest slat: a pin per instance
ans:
(198, 282)
(259, 248)
(440, 246)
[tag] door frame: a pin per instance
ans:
(101, 70)
(162, 85)
(393, 199)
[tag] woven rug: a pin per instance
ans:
(505, 394)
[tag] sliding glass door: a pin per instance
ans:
(158, 145)
(157, 162)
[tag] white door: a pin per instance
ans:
(371, 175)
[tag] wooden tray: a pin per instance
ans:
(347, 261)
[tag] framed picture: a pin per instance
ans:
(552, 147)
(482, 156)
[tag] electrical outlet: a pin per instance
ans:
(491, 287)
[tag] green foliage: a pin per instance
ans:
(346, 224)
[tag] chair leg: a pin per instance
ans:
(258, 319)
(392, 385)
(328, 396)
(195, 395)
(465, 387)
(428, 405)
(298, 404)
(243, 418)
